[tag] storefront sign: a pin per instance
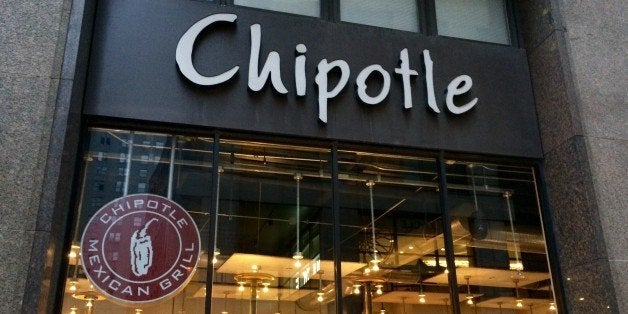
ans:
(140, 248)
(257, 80)
(235, 69)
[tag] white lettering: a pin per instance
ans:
(182, 222)
(257, 80)
(152, 204)
(165, 284)
(429, 81)
(93, 245)
(186, 46)
(114, 285)
(406, 74)
(455, 89)
(145, 291)
(105, 220)
(361, 84)
(127, 290)
(322, 80)
(299, 70)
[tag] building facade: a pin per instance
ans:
(96, 105)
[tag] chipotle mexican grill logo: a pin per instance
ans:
(140, 248)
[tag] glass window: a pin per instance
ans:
(184, 174)
(274, 230)
(499, 245)
(391, 234)
(397, 14)
(483, 20)
(301, 7)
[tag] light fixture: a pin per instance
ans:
(72, 254)
(518, 265)
(241, 286)
(552, 307)
(73, 310)
(519, 301)
(298, 255)
(469, 295)
(320, 292)
(375, 261)
(265, 284)
(89, 303)
(73, 284)
(367, 271)
(382, 309)
(138, 311)
(320, 296)
(446, 270)
(379, 289)
(216, 253)
(255, 268)
(216, 250)
(356, 289)
(422, 298)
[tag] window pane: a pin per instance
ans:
(301, 7)
(499, 246)
(483, 20)
(405, 242)
(397, 14)
(274, 210)
(104, 178)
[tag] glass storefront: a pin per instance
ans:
(274, 228)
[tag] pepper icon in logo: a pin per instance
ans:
(140, 248)
(141, 251)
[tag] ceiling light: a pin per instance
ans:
(73, 285)
(356, 289)
(73, 310)
(320, 296)
(552, 307)
(379, 289)
(265, 284)
(469, 295)
(422, 298)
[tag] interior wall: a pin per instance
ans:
(576, 51)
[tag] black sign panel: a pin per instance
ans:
(133, 74)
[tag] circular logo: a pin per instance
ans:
(140, 248)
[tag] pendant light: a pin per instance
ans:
(298, 255)
(320, 292)
(375, 261)
(518, 301)
(518, 265)
(421, 294)
(216, 250)
(469, 295)
(382, 309)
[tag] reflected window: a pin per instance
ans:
(482, 20)
(301, 7)
(400, 14)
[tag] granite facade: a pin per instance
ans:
(576, 51)
(33, 36)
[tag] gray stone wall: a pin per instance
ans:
(577, 53)
(32, 39)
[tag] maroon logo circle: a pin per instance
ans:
(140, 248)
